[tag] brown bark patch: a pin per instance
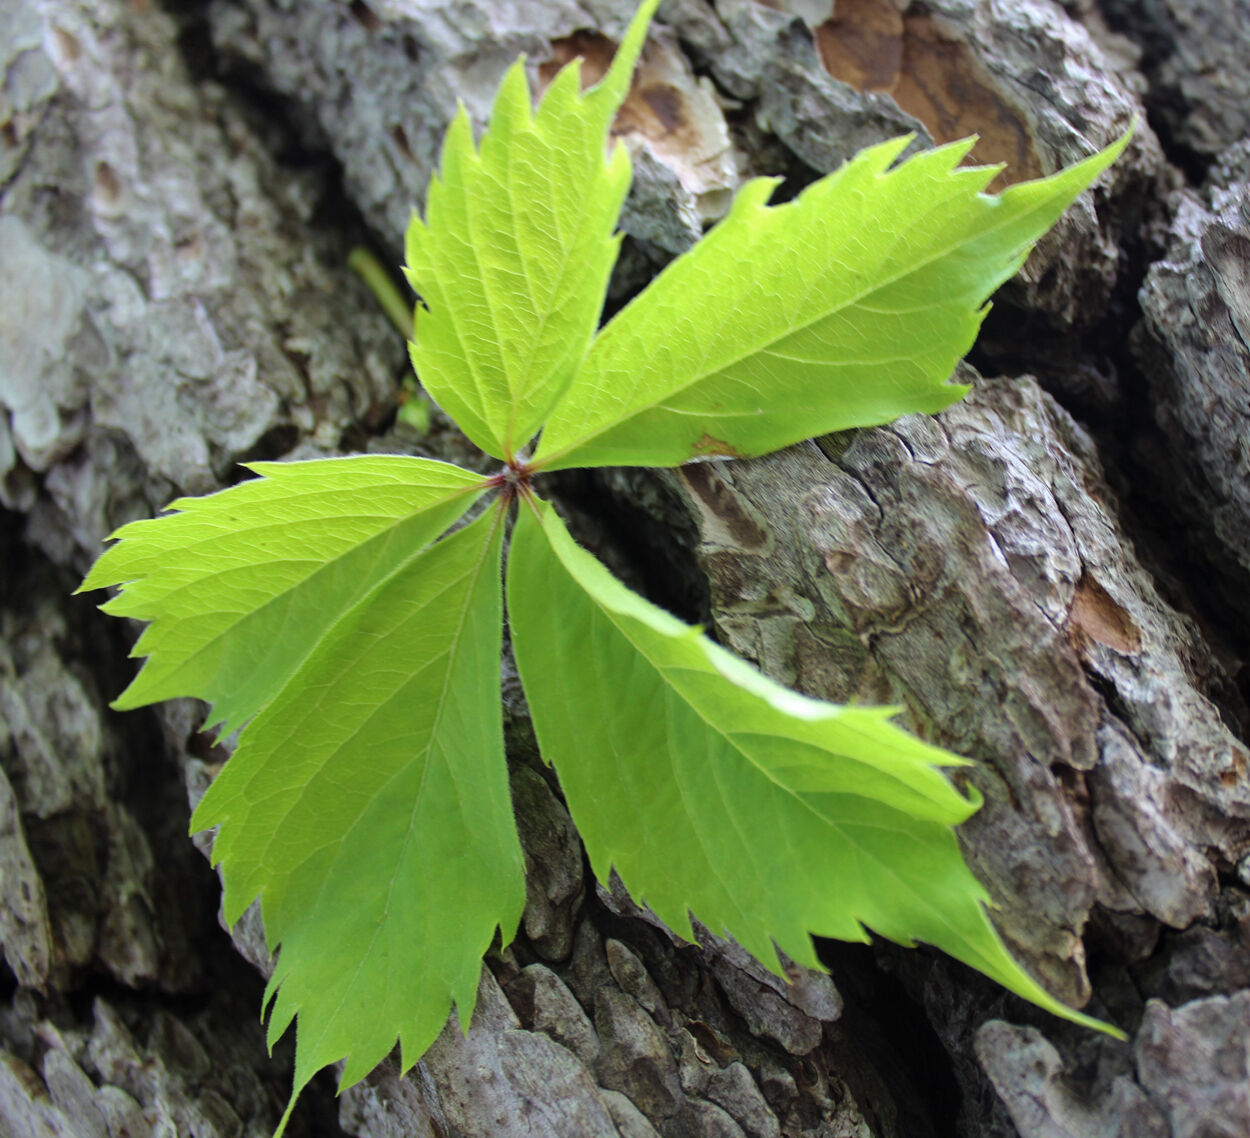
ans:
(863, 44)
(595, 50)
(665, 103)
(65, 46)
(871, 46)
(725, 505)
(1096, 617)
(108, 186)
(365, 16)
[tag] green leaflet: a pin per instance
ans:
(368, 808)
(242, 584)
(846, 307)
(715, 792)
(512, 259)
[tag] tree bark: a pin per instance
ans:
(1050, 577)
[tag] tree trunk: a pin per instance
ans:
(1051, 577)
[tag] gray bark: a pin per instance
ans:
(1050, 577)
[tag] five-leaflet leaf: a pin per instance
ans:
(344, 616)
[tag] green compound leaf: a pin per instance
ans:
(368, 808)
(317, 608)
(241, 585)
(512, 259)
(714, 791)
(846, 307)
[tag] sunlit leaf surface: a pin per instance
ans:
(326, 609)
(367, 806)
(846, 307)
(713, 791)
(241, 585)
(513, 255)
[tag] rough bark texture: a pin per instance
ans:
(1050, 577)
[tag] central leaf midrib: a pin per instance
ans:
(321, 766)
(545, 315)
(456, 642)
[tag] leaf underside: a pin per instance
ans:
(846, 307)
(368, 808)
(513, 256)
(715, 792)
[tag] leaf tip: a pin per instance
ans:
(752, 196)
(194, 825)
(962, 147)
(513, 106)
(98, 576)
(457, 144)
(611, 90)
(1092, 1022)
(128, 700)
(881, 157)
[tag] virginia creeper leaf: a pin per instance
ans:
(512, 259)
(320, 608)
(846, 307)
(713, 791)
(242, 584)
(367, 806)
